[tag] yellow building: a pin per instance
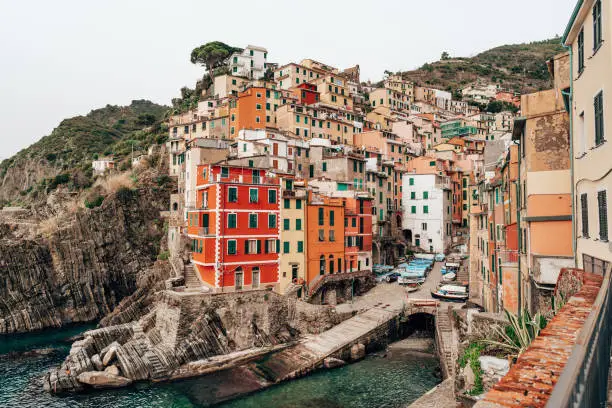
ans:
(308, 121)
(397, 84)
(333, 91)
(590, 38)
(383, 97)
(292, 235)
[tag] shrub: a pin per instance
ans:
(125, 194)
(96, 202)
(163, 256)
(163, 180)
(51, 157)
(113, 183)
(470, 355)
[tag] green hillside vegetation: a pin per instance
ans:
(67, 153)
(519, 67)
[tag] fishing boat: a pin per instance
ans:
(450, 292)
(449, 277)
(412, 287)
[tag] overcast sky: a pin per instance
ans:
(62, 58)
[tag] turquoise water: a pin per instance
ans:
(391, 381)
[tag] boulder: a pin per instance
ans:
(110, 355)
(97, 362)
(358, 352)
(332, 362)
(99, 379)
(112, 369)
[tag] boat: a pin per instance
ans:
(439, 258)
(449, 277)
(412, 287)
(450, 292)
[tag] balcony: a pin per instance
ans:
(507, 256)
(301, 194)
(204, 231)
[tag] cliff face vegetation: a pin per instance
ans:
(77, 266)
(519, 67)
(64, 157)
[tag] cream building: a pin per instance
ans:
(589, 35)
(292, 225)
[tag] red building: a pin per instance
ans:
(307, 93)
(235, 228)
(358, 234)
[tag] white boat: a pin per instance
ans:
(450, 292)
(449, 277)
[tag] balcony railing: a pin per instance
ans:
(584, 380)
(508, 256)
(203, 231)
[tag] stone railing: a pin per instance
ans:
(321, 280)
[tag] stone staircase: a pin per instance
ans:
(444, 332)
(191, 279)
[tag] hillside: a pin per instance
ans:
(520, 67)
(65, 156)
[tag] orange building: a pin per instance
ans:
(234, 230)
(324, 236)
(358, 234)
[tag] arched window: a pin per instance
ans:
(331, 264)
(238, 278)
(322, 265)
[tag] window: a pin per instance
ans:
(413, 195)
(285, 247)
(298, 204)
(322, 265)
(581, 51)
(253, 195)
(411, 181)
(321, 216)
(271, 246)
(424, 226)
(258, 106)
(231, 247)
(425, 195)
(425, 209)
(584, 215)
(300, 246)
(599, 118)
(597, 38)
(286, 224)
(271, 220)
(602, 204)
(252, 220)
(324, 166)
(354, 222)
(332, 235)
(232, 194)
(271, 196)
(232, 220)
(298, 224)
(413, 209)
(331, 218)
(224, 172)
(321, 235)
(252, 246)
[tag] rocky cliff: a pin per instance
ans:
(82, 263)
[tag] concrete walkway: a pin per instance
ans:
(441, 396)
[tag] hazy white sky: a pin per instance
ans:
(62, 58)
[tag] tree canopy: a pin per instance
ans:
(212, 54)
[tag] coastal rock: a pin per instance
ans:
(331, 362)
(358, 351)
(110, 355)
(493, 369)
(103, 380)
(82, 262)
(97, 362)
(112, 370)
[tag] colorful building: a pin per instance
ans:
(234, 230)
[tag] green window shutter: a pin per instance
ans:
(298, 204)
(286, 224)
(411, 181)
(298, 224)
(286, 247)
(266, 246)
(231, 247)
(425, 195)
(413, 195)
(324, 166)
(321, 216)
(413, 209)
(602, 204)
(331, 218)
(286, 203)
(271, 220)
(253, 195)
(271, 196)
(599, 119)
(259, 246)
(246, 246)
(231, 222)
(300, 246)
(252, 220)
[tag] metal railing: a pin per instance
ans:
(584, 380)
